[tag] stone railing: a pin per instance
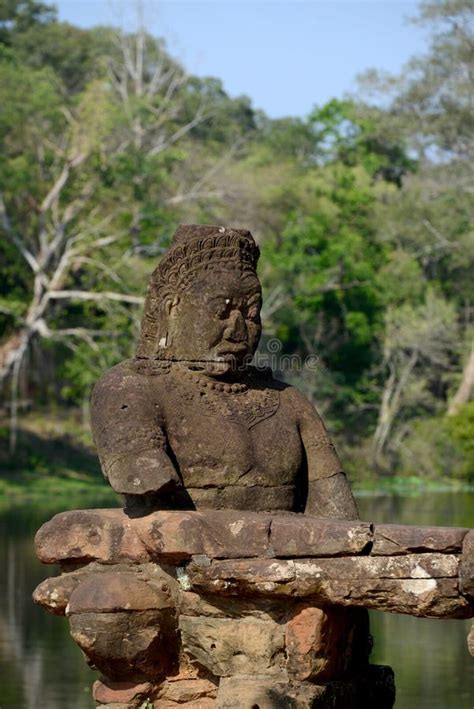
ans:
(245, 610)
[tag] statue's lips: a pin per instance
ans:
(232, 348)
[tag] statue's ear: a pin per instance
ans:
(169, 310)
(170, 305)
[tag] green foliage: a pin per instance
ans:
(460, 429)
(366, 234)
(348, 134)
(440, 447)
(18, 16)
(69, 51)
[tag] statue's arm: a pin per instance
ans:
(329, 493)
(130, 441)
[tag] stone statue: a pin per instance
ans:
(207, 591)
(189, 423)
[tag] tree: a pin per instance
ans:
(431, 106)
(417, 340)
(17, 16)
(78, 185)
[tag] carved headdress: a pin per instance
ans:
(195, 248)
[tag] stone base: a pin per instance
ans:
(374, 689)
(230, 609)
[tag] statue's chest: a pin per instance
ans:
(229, 433)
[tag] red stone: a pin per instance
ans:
(106, 691)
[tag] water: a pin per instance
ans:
(432, 665)
(42, 668)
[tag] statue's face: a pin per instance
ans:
(218, 319)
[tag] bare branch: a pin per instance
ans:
(195, 191)
(101, 267)
(56, 188)
(26, 253)
(16, 367)
(466, 386)
(88, 295)
(192, 195)
(163, 145)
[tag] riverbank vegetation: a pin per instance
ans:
(363, 211)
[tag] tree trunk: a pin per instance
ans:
(466, 387)
(8, 351)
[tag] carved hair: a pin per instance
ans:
(194, 248)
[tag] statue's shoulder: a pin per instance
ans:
(147, 367)
(295, 398)
(129, 374)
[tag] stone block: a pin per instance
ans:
(226, 646)
(82, 536)
(318, 643)
(118, 591)
(106, 691)
(414, 566)
(127, 646)
(393, 539)
(247, 692)
(214, 606)
(301, 535)
(467, 566)
(175, 535)
(183, 689)
(419, 584)
(53, 594)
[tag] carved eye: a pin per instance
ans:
(220, 307)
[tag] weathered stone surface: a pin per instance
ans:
(106, 691)
(182, 689)
(363, 567)
(300, 535)
(227, 646)
(467, 566)
(373, 689)
(424, 584)
(238, 436)
(82, 536)
(417, 566)
(118, 591)
(247, 692)
(204, 703)
(410, 596)
(218, 534)
(127, 645)
(53, 593)
(392, 539)
(214, 606)
(254, 571)
(318, 643)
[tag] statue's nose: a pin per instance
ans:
(236, 329)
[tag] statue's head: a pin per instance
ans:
(204, 298)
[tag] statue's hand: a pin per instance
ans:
(143, 473)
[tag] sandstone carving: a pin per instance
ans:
(238, 573)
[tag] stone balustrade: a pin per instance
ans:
(227, 609)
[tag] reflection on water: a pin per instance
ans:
(42, 668)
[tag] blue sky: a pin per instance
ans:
(287, 55)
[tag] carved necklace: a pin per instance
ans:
(258, 403)
(206, 383)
